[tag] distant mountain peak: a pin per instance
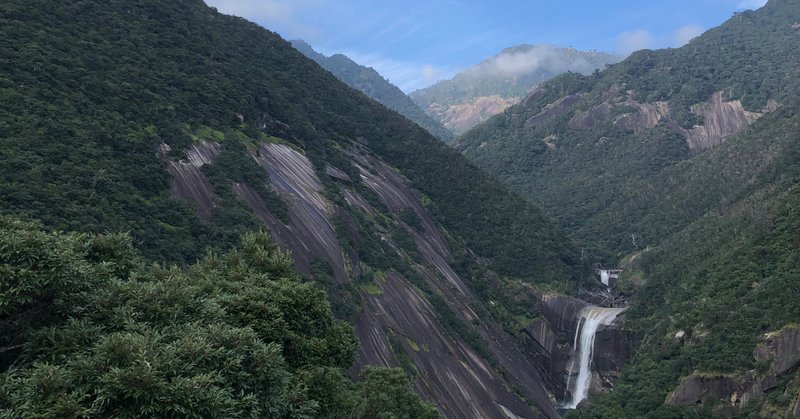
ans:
(502, 80)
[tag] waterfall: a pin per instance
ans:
(591, 318)
(604, 277)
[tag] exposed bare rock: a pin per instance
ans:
(355, 200)
(188, 181)
(163, 150)
(554, 109)
(551, 359)
(309, 234)
(397, 195)
(636, 117)
(645, 116)
(722, 119)
(613, 347)
(190, 184)
(550, 141)
(337, 174)
(203, 153)
(460, 117)
(731, 390)
(591, 118)
(440, 276)
(701, 388)
(561, 312)
(783, 347)
(543, 335)
(450, 371)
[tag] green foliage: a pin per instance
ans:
(96, 333)
(453, 323)
(601, 182)
(235, 165)
(388, 390)
(80, 131)
(372, 84)
(410, 217)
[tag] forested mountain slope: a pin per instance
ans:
(685, 163)
(596, 151)
(188, 129)
(372, 84)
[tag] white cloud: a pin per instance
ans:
(685, 34)
(276, 15)
(751, 4)
(429, 72)
(407, 75)
(629, 42)
(527, 60)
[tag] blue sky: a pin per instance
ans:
(415, 43)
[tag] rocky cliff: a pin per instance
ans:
(779, 352)
(396, 323)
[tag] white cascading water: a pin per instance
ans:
(591, 318)
(604, 277)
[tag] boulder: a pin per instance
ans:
(700, 388)
(783, 347)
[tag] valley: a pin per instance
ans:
(201, 219)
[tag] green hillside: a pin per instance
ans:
(372, 84)
(707, 230)
(581, 146)
(104, 102)
(80, 131)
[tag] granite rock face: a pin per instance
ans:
(397, 324)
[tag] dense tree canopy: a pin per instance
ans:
(88, 330)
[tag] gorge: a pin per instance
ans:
(197, 219)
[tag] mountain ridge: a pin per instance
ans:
(683, 160)
(502, 80)
(372, 84)
(195, 129)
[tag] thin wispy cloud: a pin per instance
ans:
(629, 42)
(280, 15)
(751, 4)
(686, 33)
(407, 75)
(633, 41)
(415, 42)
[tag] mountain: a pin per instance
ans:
(372, 84)
(477, 93)
(681, 166)
(188, 130)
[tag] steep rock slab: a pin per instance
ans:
(699, 388)
(525, 376)
(188, 181)
(722, 119)
(613, 347)
(450, 372)
(309, 234)
(561, 312)
(783, 348)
